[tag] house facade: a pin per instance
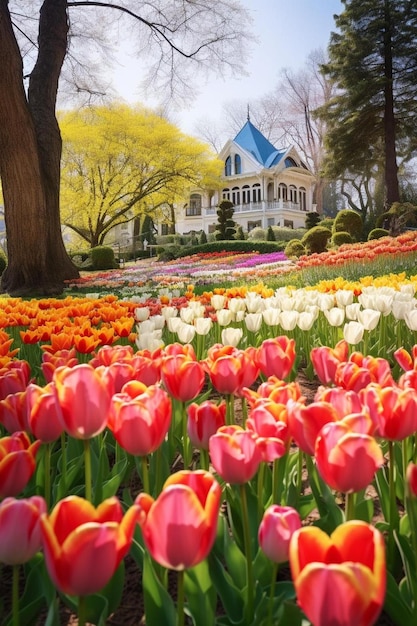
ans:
(268, 187)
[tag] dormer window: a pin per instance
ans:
(238, 164)
(228, 166)
(289, 162)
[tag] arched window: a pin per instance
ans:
(236, 195)
(228, 166)
(245, 194)
(303, 198)
(282, 192)
(238, 164)
(226, 194)
(289, 162)
(293, 193)
(256, 193)
(194, 207)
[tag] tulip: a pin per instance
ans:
(179, 527)
(325, 360)
(203, 421)
(43, 418)
(17, 463)
(186, 332)
(275, 357)
(275, 531)
(20, 531)
(182, 376)
(229, 368)
(288, 320)
(335, 316)
(339, 579)
(305, 422)
(224, 317)
(139, 417)
(83, 400)
(353, 332)
(231, 336)
(253, 322)
(393, 410)
(218, 301)
(347, 460)
(235, 454)
(51, 361)
(411, 476)
(369, 318)
(268, 420)
(13, 412)
(14, 377)
(84, 545)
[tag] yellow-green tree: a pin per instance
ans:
(119, 162)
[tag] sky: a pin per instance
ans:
(287, 32)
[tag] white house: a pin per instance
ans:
(268, 187)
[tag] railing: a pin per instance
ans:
(272, 205)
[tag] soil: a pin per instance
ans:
(131, 609)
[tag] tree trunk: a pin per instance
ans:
(392, 189)
(30, 153)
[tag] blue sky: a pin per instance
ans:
(287, 31)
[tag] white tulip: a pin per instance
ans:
(149, 341)
(169, 311)
(147, 326)
(335, 316)
(271, 316)
(254, 302)
(400, 308)
(217, 302)
(344, 297)
(173, 323)
(231, 336)
(203, 325)
(369, 318)
(253, 322)
(325, 301)
(159, 321)
(352, 310)
(224, 317)
(237, 304)
(240, 316)
(410, 319)
(353, 332)
(187, 315)
(306, 320)
(186, 333)
(142, 313)
(288, 319)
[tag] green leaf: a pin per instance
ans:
(111, 486)
(201, 594)
(230, 595)
(382, 488)
(159, 606)
(394, 604)
(364, 510)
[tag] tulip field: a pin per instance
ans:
(240, 427)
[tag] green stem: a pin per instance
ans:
(279, 473)
(272, 593)
(15, 596)
(244, 412)
(248, 555)
(411, 503)
(186, 452)
(82, 611)
(145, 473)
(180, 598)
(64, 461)
(230, 409)
(394, 517)
(261, 479)
(204, 460)
(158, 471)
(87, 470)
(47, 487)
(299, 476)
(350, 499)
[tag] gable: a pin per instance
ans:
(250, 139)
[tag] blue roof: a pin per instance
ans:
(253, 141)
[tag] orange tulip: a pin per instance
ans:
(230, 369)
(17, 463)
(83, 400)
(179, 527)
(339, 579)
(84, 545)
(182, 377)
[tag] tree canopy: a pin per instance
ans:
(120, 162)
(38, 48)
(372, 117)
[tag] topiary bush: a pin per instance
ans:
(315, 240)
(294, 248)
(377, 233)
(102, 258)
(257, 233)
(340, 238)
(348, 220)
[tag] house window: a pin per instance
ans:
(238, 164)
(303, 198)
(236, 195)
(164, 229)
(293, 194)
(252, 225)
(245, 194)
(256, 193)
(226, 194)
(288, 224)
(282, 192)
(289, 162)
(211, 228)
(195, 205)
(271, 221)
(228, 166)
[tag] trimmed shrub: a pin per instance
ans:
(283, 233)
(203, 237)
(377, 233)
(349, 221)
(102, 258)
(341, 237)
(294, 248)
(257, 233)
(270, 234)
(315, 240)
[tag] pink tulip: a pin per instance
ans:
(305, 422)
(204, 420)
(182, 377)
(83, 400)
(325, 360)
(235, 454)
(17, 463)
(179, 527)
(20, 531)
(43, 417)
(275, 531)
(14, 377)
(275, 357)
(13, 412)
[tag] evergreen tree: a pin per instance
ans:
(226, 226)
(372, 117)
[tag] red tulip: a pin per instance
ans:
(84, 545)
(182, 377)
(275, 357)
(306, 422)
(14, 377)
(325, 360)
(52, 360)
(235, 454)
(275, 531)
(230, 369)
(347, 460)
(17, 463)
(412, 479)
(179, 527)
(203, 421)
(268, 420)
(140, 417)
(405, 360)
(44, 421)
(13, 412)
(20, 531)
(83, 400)
(339, 579)
(393, 410)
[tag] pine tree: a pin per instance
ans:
(372, 117)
